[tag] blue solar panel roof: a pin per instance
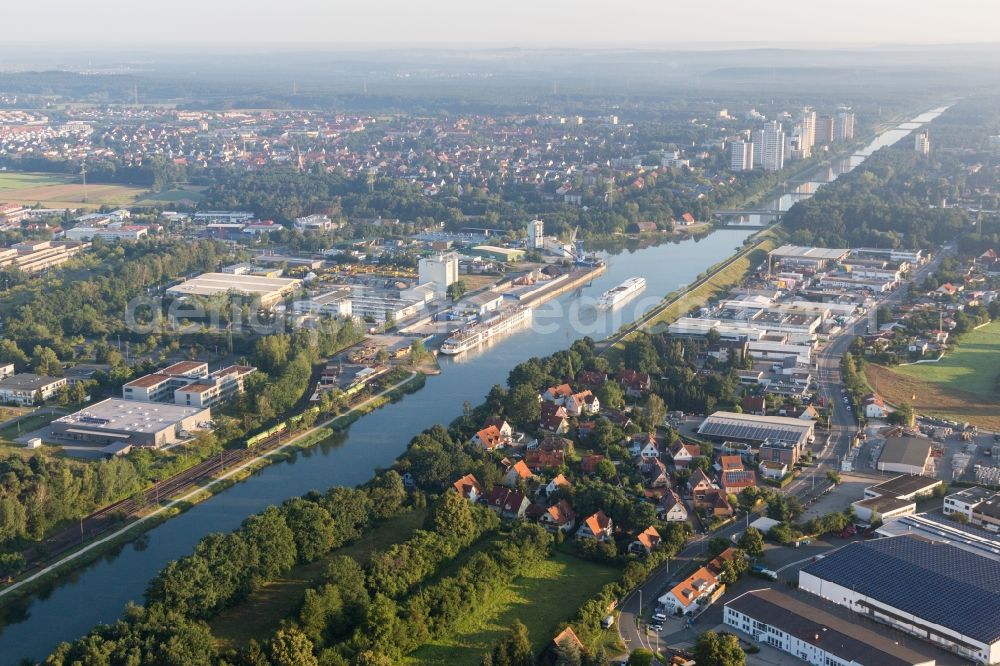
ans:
(936, 582)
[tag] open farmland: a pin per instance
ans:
(63, 191)
(933, 398)
(973, 366)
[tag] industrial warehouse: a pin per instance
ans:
(270, 289)
(755, 430)
(939, 592)
(131, 423)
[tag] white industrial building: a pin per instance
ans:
(536, 235)
(129, 233)
(441, 270)
(335, 303)
(943, 594)
(270, 290)
(27, 388)
(130, 423)
(905, 455)
(775, 618)
(965, 500)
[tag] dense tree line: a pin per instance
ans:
(58, 311)
(892, 200)
(39, 493)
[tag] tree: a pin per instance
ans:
(387, 494)
(712, 649)
(311, 526)
(514, 649)
(44, 361)
(656, 410)
(903, 415)
(641, 657)
(453, 519)
(568, 654)
(290, 647)
(456, 290)
(752, 542)
(522, 404)
(272, 543)
(611, 395)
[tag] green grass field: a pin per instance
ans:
(973, 366)
(261, 613)
(63, 191)
(548, 595)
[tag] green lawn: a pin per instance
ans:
(14, 180)
(548, 595)
(26, 424)
(260, 614)
(973, 367)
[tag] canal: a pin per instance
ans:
(70, 607)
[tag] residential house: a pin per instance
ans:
(646, 542)
(564, 637)
(654, 473)
(556, 443)
(786, 452)
(469, 488)
(26, 388)
(635, 384)
(644, 446)
(773, 471)
(597, 526)
(619, 418)
(672, 509)
(559, 481)
(729, 462)
(559, 517)
(519, 471)
(557, 394)
(754, 404)
(733, 481)
(584, 402)
(591, 379)
(557, 424)
(585, 428)
(716, 505)
(539, 460)
(697, 589)
(683, 454)
(700, 485)
(589, 463)
(488, 438)
(507, 503)
(874, 406)
(501, 424)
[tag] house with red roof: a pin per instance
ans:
(698, 589)
(646, 542)
(584, 402)
(557, 394)
(559, 517)
(469, 488)
(519, 471)
(489, 438)
(683, 454)
(539, 460)
(507, 503)
(597, 526)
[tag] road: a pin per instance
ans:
(843, 425)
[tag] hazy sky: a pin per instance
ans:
(648, 23)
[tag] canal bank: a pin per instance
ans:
(71, 606)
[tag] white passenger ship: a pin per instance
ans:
(472, 335)
(621, 293)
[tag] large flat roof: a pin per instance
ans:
(208, 284)
(936, 527)
(730, 425)
(905, 450)
(906, 484)
(117, 415)
(27, 381)
(851, 642)
(805, 252)
(936, 582)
